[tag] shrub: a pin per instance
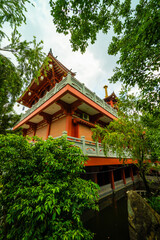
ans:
(43, 196)
(154, 202)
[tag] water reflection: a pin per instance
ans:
(111, 222)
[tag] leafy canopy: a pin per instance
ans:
(136, 38)
(28, 59)
(132, 136)
(43, 196)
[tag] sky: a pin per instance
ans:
(93, 68)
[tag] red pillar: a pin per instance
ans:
(69, 125)
(34, 128)
(95, 178)
(112, 180)
(77, 130)
(48, 129)
(24, 132)
(123, 176)
(34, 131)
(131, 174)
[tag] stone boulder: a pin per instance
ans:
(144, 222)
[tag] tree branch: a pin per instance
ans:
(7, 50)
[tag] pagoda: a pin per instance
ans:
(61, 105)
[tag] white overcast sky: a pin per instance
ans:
(93, 68)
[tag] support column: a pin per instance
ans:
(24, 132)
(48, 129)
(33, 126)
(75, 128)
(69, 124)
(112, 180)
(48, 119)
(95, 177)
(123, 175)
(77, 131)
(131, 173)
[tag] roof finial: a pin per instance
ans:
(50, 51)
(106, 92)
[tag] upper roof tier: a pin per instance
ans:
(111, 97)
(69, 90)
(37, 90)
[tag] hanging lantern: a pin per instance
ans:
(41, 78)
(29, 93)
(21, 102)
(50, 66)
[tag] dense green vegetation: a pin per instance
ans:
(43, 196)
(154, 202)
(28, 57)
(135, 134)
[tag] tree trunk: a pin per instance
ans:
(145, 183)
(142, 173)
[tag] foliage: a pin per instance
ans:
(154, 202)
(10, 86)
(28, 56)
(12, 12)
(152, 122)
(137, 38)
(129, 136)
(138, 46)
(43, 196)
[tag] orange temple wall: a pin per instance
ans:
(85, 131)
(41, 132)
(57, 127)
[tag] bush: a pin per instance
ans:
(43, 196)
(154, 202)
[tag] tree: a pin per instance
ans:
(152, 122)
(10, 86)
(28, 55)
(129, 136)
(137, 38)
(43, 196)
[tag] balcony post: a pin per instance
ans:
(64, 133)
(97, 148)
(83, 144)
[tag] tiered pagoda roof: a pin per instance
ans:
(37, 90)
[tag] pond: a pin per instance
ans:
(111, 222)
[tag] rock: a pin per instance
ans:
(144, 222)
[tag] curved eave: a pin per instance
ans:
(60, 65)
(66, 89)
